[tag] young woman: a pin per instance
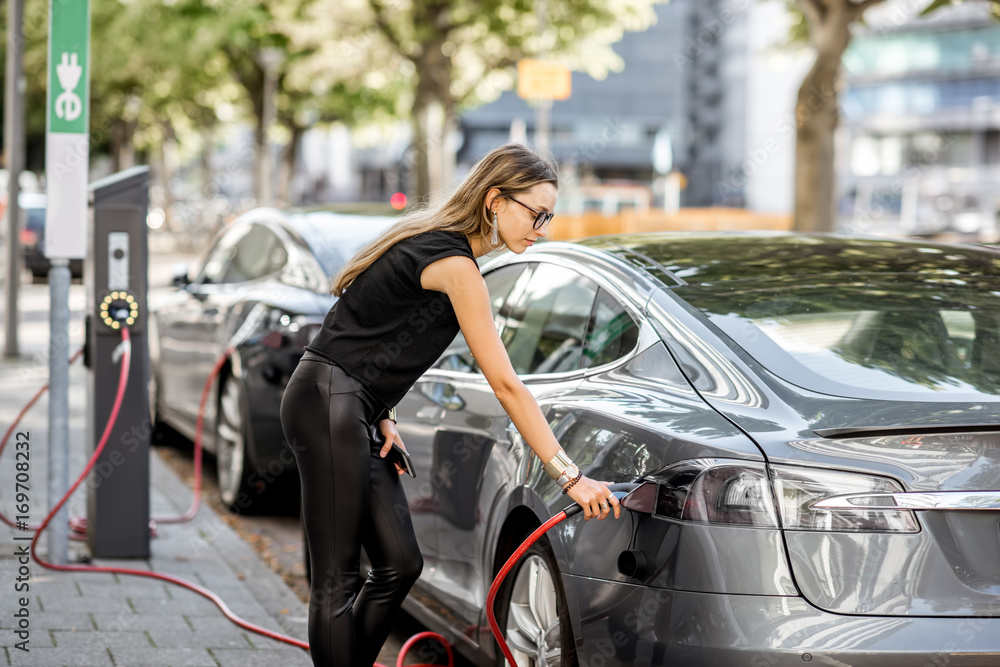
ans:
(403, 299)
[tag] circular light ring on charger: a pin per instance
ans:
(118, 296)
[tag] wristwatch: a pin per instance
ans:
(568, 474)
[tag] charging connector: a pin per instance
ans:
(118, 308)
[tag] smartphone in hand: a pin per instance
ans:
(399, 456)
(396, 455)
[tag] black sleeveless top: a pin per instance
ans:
(386, 330)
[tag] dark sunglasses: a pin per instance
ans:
(541, 217)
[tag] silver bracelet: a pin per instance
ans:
(557, 465)
(391, 414)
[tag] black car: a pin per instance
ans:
(33, 238)
(819, 417)
(262, 289)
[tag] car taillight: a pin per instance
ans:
(28, 237)
(716, 491)
(797, 488)
(731, 492)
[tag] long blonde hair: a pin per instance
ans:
(511, 169)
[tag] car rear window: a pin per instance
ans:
(334, 239)
(872, 335)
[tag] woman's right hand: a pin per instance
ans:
(589, 494)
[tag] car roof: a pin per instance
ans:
(325, 225)
(700, 258)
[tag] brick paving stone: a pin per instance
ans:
(128, 621)
(108, 590)
(79, 604)
(229, 638)
(75, 641)
(51, 657)
(147, 656)
(262, 658)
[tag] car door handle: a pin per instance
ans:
(211, 311)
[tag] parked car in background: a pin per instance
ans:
(33, 238)
(819, 416)
(263, 290)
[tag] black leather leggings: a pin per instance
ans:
(350, 498)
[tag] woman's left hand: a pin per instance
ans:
(388, 428)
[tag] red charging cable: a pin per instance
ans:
(508, 566)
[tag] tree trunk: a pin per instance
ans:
(259, 150)
(122, 147)
(209, 188)
(289, 156)
(433, 116)
(816, 117)
(169, 165)
(817, 114)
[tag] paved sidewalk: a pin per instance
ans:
(103, 619)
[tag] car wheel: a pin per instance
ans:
(231, 456)
(533, 613)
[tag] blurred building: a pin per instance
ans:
(707, 80)
(921, 122)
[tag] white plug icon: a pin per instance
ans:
(68, 104)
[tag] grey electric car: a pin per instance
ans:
(817, 416)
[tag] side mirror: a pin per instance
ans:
(180, 276)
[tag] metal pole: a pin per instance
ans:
(58, 532)
(14, 144)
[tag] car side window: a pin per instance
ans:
(545, 332)
(258, 254)
(499, 283)
(217, 261)
(611, 333)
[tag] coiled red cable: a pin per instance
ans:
(126, 362)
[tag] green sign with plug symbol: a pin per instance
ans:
(68, 63)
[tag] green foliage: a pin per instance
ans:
(187, 64)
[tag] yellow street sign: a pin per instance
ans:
(543, 80)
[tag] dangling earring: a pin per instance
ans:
(495, 237)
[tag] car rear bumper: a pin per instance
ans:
(622, 624)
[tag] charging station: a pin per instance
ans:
(115, 276)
